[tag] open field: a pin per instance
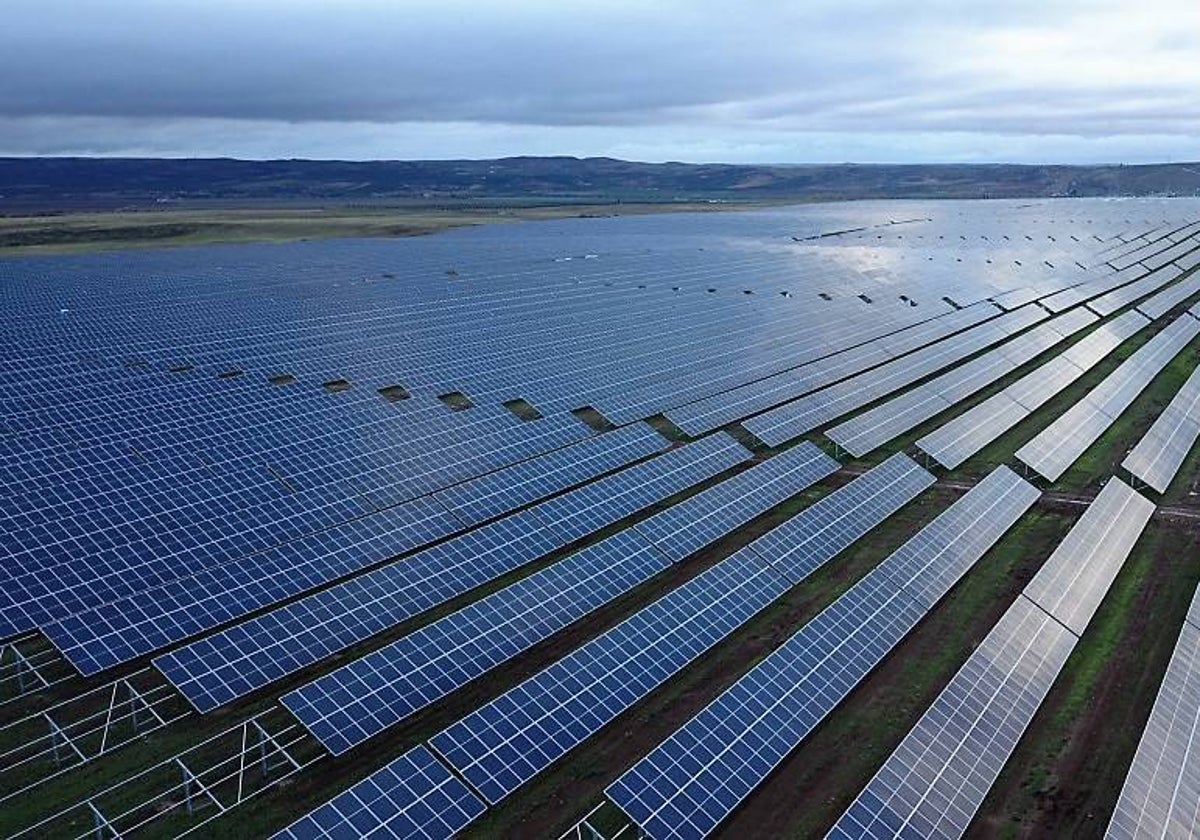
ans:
(71, 233)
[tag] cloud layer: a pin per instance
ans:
(698, 80)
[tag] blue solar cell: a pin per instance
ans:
(149, 620)
(412, 797)
(614, 497)
(222, 667)
(509, 740)
(719, 510)
(693, 780)
(361, 699)
(498, 493)
(231, 664)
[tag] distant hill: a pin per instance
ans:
(74, 182)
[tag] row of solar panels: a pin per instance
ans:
(150, 619)
(47, 586)
(956, 441)
(515, 736)
(158, 638)
(693, 780)
(1061, 443)
(1160, 792)
(938, 776)
(268, 513)
(864, 433)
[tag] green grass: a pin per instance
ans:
(84, 232)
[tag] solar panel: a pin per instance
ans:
(614, 497)
(1073, 581)
(871, 429)
(180, 520)
(687, 785)
(412, 797)
(1112, 301)
(1161, 794)
(505, 490)
(1160, 453)
(956, 441)
(360, 699)
(808, 412)
(508, 741)
(246, 657)
(224, 666)
(700, 520)
(936, 779)
(1163, 302)
(803, 543)
(121, 630)
(960, 438)
(879, 346)
(940, 773)
(1060, 444)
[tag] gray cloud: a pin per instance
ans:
(383, 79)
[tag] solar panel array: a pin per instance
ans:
(412, 797)
(216, 525)
(500, 492)
(792, 419)
(247, 460)
(1161, 794)
(934, 782)
(958, 439)
(358, 700)
(1052, 451)
(684, 528)
(214, 670)
(871, 429)
(688, 784)
(508, 741)
(1160, 453)
(354, 702)
(876, 347)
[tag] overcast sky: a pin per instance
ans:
(758, 81)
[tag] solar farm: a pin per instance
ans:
(852, 520)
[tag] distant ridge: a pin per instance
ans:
(51, 182)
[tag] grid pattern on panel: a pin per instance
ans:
(870, 430)
(702, 519)
(957, 440)
(1160, 453)
(511, 739)
(799, 416)
(1060, 444)
(146, 621)
(216, 670)
(593, 506)
(688, 784)
(208, 528)
(720, 409)
(508, 741)
(1074, 579)
(230, 664)
(1116, 299)
(360, 699)
(954, 442)
(505, 490)
(1161, 794)
(413, 798)
(1163, 302)
(936, 779)
(802, 544)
